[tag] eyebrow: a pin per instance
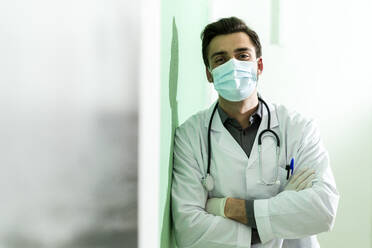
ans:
(241, 49)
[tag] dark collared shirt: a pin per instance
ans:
(245, 138)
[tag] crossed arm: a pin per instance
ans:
(242, 210)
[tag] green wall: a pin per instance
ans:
(183, 86)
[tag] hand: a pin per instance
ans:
(216, 206)
(301, 180)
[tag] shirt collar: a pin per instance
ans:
(224, 117)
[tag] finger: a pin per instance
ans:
(310, 181)
(304, 176)
(297, 174)
(310, 184)
(306, 183)
(302, 180)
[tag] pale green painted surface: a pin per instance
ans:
(274, 29)
(183, 86)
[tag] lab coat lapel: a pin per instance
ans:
(222, 137)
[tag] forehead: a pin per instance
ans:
(229, 42)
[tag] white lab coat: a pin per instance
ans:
(284, 218)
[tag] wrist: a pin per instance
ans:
(225, 210)
(227, 207)
(222, 206)
(235, 209)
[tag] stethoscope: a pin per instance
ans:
(208, 181)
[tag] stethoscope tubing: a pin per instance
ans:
(259, 136)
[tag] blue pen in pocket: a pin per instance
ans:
(290, 167)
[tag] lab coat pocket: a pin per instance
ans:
(258, 189)
(265, 191)
(261, 190)
(267, 171)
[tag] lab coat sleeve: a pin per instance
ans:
(294, 215)
(193, 226)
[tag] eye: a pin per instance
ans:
(243, 56)
(219, 60)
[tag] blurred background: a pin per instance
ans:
(91, 92)
(69, 123)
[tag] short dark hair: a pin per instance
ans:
(227, 26)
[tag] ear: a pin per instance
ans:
(209, 75)
(259, 66)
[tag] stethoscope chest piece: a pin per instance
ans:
(208, 182)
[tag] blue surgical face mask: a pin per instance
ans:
(235, 80)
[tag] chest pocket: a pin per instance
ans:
(267, 175)
(259, 190)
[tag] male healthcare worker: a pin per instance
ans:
(268, 182)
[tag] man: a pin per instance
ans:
(267, 181)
